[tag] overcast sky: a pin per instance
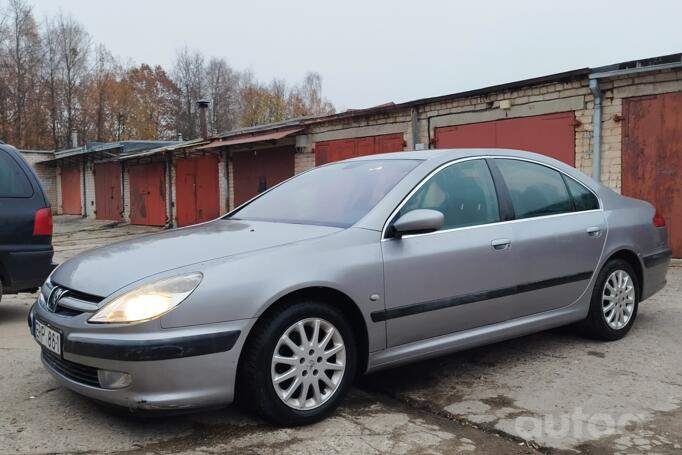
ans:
(371, 52)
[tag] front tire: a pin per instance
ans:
(298, 364)
(615, 301)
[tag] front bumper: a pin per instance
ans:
(170, 369)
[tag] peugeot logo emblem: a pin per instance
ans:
(55, 296)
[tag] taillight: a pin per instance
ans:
(42, 225)
(658, 220)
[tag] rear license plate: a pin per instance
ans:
(47, 337)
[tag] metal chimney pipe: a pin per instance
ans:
(203, 118)
(74, 138)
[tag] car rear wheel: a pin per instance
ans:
(298, 364)
(614, 305)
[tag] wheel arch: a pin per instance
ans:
(635, 262)
(331, 296)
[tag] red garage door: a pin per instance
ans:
(148, 194)
(342, 149)
(108, 191)
(652, 157)
(196, 189)
(256, 171)
(71, 189)
(552, 135)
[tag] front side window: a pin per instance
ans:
(535, 190)
(334, 195)
(13, 180)
(464, 192)
(583, 199)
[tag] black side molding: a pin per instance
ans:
(408, 310)
(655, 259)
(147, 350)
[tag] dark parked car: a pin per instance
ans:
(25, 226)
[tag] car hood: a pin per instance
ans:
(103, 270)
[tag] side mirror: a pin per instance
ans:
(418, 222)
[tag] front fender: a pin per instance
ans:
(243, 287)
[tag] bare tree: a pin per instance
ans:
(51, 71)
(189, 75)
(102, 79)
(306, 98)
(222, 85)
(73, 46)
(20, 55)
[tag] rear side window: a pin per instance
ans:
(583, 198)
(463, 192)
(13, 180)
(535, 190)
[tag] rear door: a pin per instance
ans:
(559, 234)
(449, 280)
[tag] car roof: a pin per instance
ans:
(452, 154)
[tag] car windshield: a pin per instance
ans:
(333, 195)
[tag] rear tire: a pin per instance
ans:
(615, 301)
(287, 375)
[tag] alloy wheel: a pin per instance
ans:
(618, 299)
(308, 363)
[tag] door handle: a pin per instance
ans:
(500, 244)
(593, 231)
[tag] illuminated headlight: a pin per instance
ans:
(148, 301)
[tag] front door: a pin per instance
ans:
(450, 280)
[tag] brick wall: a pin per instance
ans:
(304, 160)
(230, 182)
(90, 203)
(547, 98)
(58, 176)
(126, 193)
(222, 185)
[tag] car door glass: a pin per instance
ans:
(535, 190)
(464, 192)
(583, 199)
(13, 180)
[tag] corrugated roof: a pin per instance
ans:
(255, 137)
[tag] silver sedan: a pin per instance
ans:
(346, 269)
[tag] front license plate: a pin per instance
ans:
(48, 337)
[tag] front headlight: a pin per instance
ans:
(148, 301)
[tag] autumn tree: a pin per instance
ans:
(153, 103)
(20, 56)
(52, 79)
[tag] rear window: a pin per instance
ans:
(583, 198)
(333, 195)
(535, 190)
(13, 180)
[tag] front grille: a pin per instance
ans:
(74, 371)
(72, 303)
